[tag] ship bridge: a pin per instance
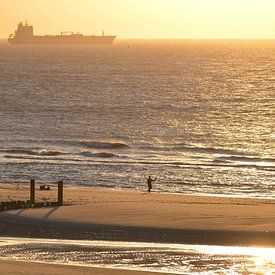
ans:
(24, 31)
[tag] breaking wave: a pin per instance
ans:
(99, 155)
(43, 152)
(209, 150)
(245, 159)
(113, 159)
(103, 145)
(82, 143)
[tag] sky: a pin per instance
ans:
(172, 19)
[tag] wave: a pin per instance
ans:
(210, 150)
(43, 152)
(52, 153)
(103, 145)
(47, 160)
(83, 143)
(244, 159)
(99, 155)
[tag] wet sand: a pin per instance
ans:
(22, 268)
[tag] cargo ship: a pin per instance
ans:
(24, 35)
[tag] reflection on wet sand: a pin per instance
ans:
(174, 258)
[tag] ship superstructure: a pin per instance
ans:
(25, 35)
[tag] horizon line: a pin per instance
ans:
(185, 38)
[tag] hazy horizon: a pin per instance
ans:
(138, 39)
(162, 19)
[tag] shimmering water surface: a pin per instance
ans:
(178, 259)
(196, 114)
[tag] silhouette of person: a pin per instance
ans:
(149, 182)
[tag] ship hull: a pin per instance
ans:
(63, 39)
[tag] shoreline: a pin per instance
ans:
(26, 185)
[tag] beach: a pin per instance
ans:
(104, 214)
(100, 214)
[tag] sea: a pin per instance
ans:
(196, 114)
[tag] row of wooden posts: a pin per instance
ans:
(59, 192)
(31, 203)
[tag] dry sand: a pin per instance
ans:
(141, 209)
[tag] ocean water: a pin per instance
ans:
(198, 115)
(170, 258)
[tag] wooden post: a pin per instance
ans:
(32, 192)
(60, 192)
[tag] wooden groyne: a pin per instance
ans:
(31, 202)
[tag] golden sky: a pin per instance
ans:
(144, 18)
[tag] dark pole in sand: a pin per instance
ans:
(32, 192)
(60, 192)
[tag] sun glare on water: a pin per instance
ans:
(174, 258)
(262, 259)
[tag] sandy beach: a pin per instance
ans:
(103, 214)
(118, 215)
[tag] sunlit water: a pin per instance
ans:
(178, 259)
(196, 114)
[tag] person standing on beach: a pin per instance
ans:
(149, 183)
